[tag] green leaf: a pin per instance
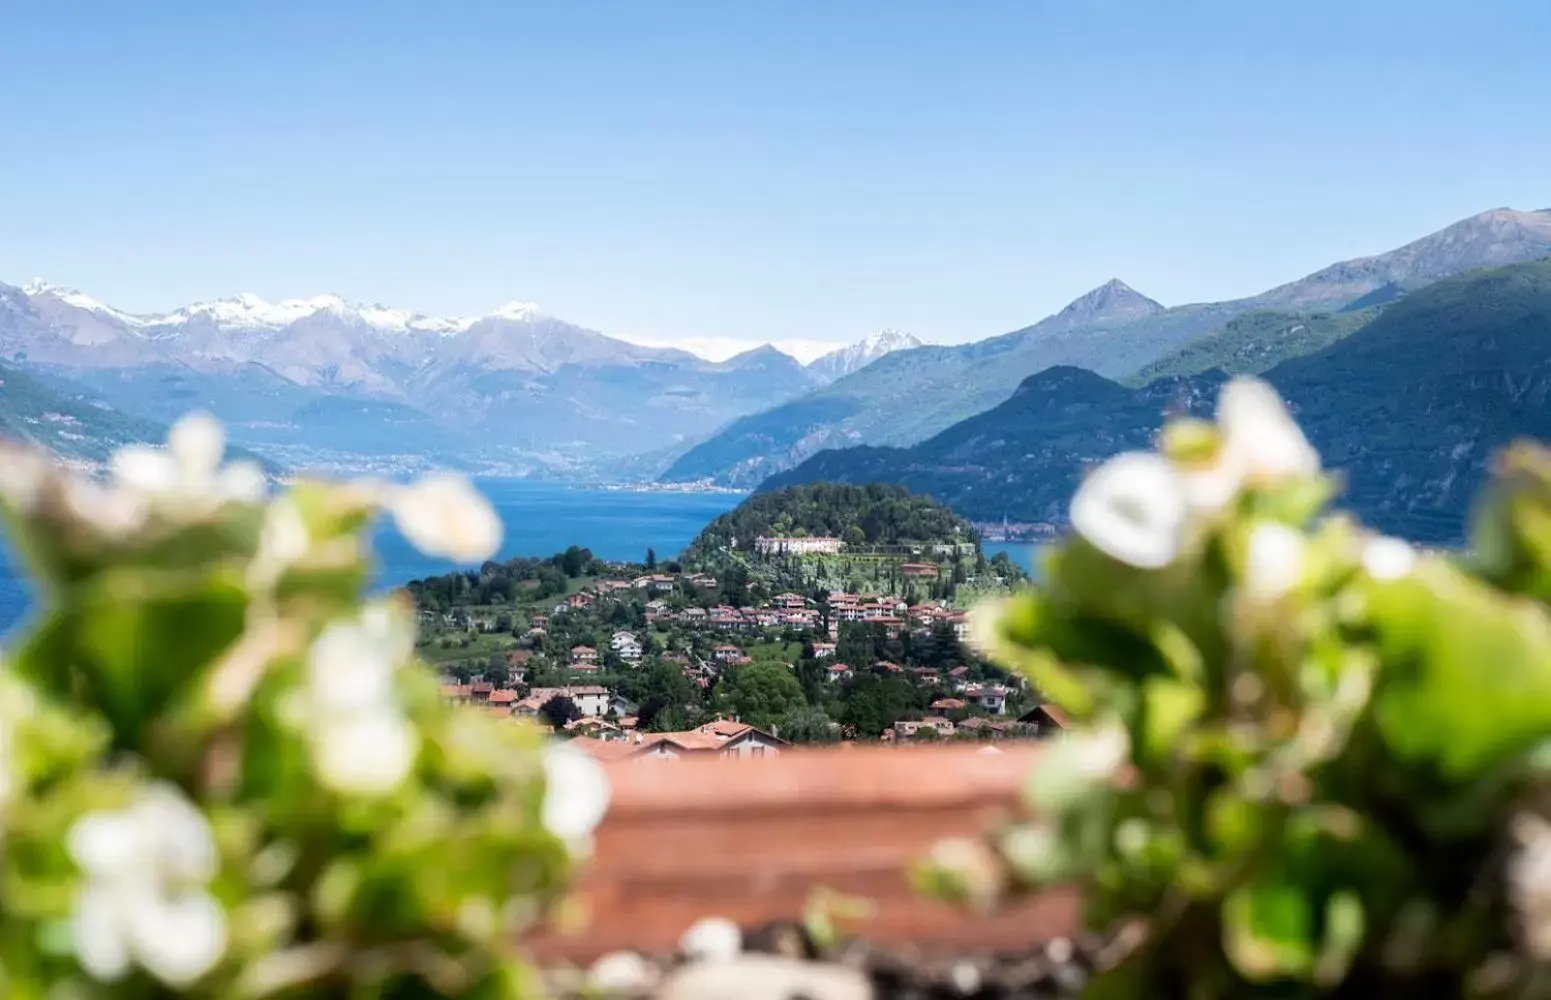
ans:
(1268, 929)
(1467, 679)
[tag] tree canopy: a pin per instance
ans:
(873, 514)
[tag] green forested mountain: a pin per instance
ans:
(1408, 408)
(72, 425)
(908, 396)
(1258, 342)
(872, 514)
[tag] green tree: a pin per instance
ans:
(761, 694)
(651, 559)
(809, 724)
(559, 710)
(872, 704)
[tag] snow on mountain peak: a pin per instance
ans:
(518, 311)
(37, 287)
(864, 352)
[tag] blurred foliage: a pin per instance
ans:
(1306, 760)
(221, 773)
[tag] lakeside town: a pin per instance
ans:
(738, 650)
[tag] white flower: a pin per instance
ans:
(445, 516)
(7, 778)
(283, 541)
(1529, 882)
(1083, 759)
(144, 900)
(362, 744)
(619, 972)
(1388, 558)
(366, 754)
(350, 667)
(23, 473)
(985, 619)
(112, 514)
(1260, 439)
(576, 792)
(713, 939)
(1274, 562)
(1133, 509)
(188, 473)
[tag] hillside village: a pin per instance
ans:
(666, 660)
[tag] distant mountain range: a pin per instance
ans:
(1113, 331)
(838, 364)
(322, 382)
(1408, 408)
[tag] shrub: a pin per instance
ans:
(221, 775)
(1308, 760)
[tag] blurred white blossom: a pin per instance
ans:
(283, 541)
(1387, 558)
(1133, 508)
(187, 475)
(619, 972)
(713, 939)
(23, 472)
(1261, 441)
(576, 792)
(1529, 882)
(112, 514)
(444, 515)
(365, 754)
(144, 899)
(1274, 562)
(361, 742)
(7, 760)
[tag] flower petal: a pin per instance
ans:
(350, 669)
(1388, 558)
(178, 940)
(97, 935)
(146, 470)
(1259, 432)
(23, 472)
(106, 844)
(242, 482)
(197, 443)
(444, 515)
(1274, 563)
(576, 792)
(713, 939)
(1133, 509)
(183, 843)
(365, 755)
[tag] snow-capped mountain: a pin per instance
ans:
(324, 373)
(837, 364)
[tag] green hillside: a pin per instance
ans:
(871, 515)
(1258, 342)
(1409, 408)
(72, 425)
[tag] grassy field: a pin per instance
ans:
(783, 652)
(479, 648)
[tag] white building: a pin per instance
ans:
(820, 545)
(990, 698)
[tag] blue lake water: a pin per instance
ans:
(541, 519)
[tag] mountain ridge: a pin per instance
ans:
(854, 357)
(576, 398)
(911, 395)
(1408, 409)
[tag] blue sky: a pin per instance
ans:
(750, 169)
